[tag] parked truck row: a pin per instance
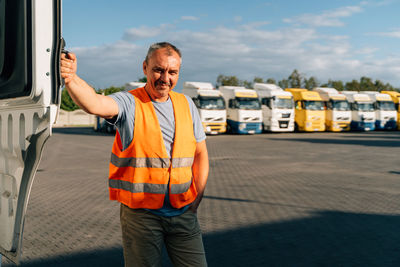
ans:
(269, 108)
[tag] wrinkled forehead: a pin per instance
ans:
(161, 53)
(166, 57)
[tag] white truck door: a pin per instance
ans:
(30, 45)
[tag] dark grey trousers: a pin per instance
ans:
(143, 234)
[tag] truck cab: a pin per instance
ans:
(244, 115)
(362, 111)
(337, 113)
(277, 107)
(210, 103)
(30, 84)
(385, 111)
(309, 110)
(396, 100)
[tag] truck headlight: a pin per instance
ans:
(242, 126)
(308, 124)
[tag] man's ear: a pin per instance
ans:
(145, 67)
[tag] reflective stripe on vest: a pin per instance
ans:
(151, 162)
(149, 188)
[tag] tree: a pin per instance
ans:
(366, 84)
(143, 79)
(66, 102)
(284, 83)
(246, 84)
(111, 90)
(338, 85)
(271, 80)
(354, 85)
(295, 79)
(258, 80)
(223, 80)
(310, 83)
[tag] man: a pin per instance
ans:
(159, 161)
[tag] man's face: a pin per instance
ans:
(162, 71)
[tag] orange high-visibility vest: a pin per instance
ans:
(139, 175)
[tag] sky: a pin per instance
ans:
(338, 40)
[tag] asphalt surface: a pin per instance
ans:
(290, 199)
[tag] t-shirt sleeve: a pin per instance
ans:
(125, 121)
(198, 128)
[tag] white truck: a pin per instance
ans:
(210, 103)
(277, 107)
(338, 113)
(385, 111)
(244, 114)
(30, 90)
(362, 111)
(133, 85)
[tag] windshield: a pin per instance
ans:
(364, 107)
(385, 105)
(314, 105)
(340, 105)
(283, 103)
(248, 103)
(212, 103)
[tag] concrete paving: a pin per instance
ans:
(289, 199)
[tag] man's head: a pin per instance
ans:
(161, 66)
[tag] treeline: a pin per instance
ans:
(69, 105)
(297, 80)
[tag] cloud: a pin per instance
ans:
(393, 34)
(245, 51)
(329, 18)
(143, 32)
(193, 18)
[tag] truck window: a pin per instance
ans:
(266, 102)
(15, 49)
(196, 102)
(231, 103)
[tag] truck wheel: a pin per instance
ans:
(296, 127)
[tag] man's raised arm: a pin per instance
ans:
(84, 95)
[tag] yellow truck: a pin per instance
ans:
(338, 113)
(309, 110)
(396, 99)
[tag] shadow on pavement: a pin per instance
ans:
(371, 143)
(98, 258)
(326, 238)
(230, 199)
(80, 131)
(383, 135)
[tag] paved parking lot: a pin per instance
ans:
(295, 199)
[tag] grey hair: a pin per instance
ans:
(156, 46)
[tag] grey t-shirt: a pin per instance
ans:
(125, 122)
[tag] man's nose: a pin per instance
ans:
(165, 77)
